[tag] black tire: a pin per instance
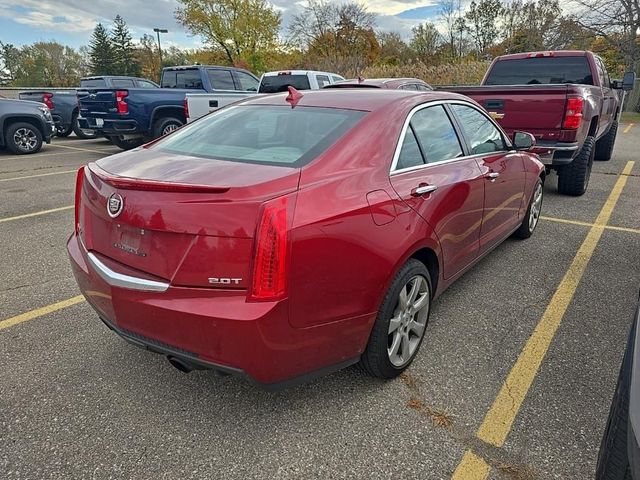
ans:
(573, 179)
(29, 142)
(613, 458)
(532, 216)
(80, 133)
(604, 146)
(127, 144)
(376, 358)
(64, 131)
(165, 125)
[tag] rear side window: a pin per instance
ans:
(541, 70)
(93, 83)
(482, 134)
(270, 135)
(410, 155)
(187, 79)
(122, 83)
(280, 83)
(221, 79)
(436, 135)
(409, 86)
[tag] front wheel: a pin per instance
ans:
(530, 220)
(604, 146)
(127, 144)
(402, 320)
(23, 138)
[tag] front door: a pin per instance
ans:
(503, 172)
(443, 187)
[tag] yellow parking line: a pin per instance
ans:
(498, 421)
(626, 130)
(36, 176)
(81, 149)
(38, 312)
(35, 214)
(587, 224)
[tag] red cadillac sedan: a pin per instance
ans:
(292, 235)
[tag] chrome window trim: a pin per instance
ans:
(116, 279)
(417, 108)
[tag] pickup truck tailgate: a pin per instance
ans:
(515, 106)
(97, 101)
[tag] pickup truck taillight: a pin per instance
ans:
(46, 99)
(79, 184)
(122, 106)
(573, 113)
(185, 106)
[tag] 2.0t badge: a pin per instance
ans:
(115, 204)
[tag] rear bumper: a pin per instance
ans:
(110, 126)
(556, 153)
(219, 330)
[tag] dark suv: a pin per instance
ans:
(24, 125)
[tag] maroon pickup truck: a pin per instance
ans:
(565, 99)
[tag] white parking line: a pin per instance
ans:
(35, 214)
(36, 176)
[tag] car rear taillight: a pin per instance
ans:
(573, 113)
(185, 106)
(46, 99)
(123, 107)
(270, 263)
(79, 184)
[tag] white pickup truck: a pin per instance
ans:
(199, 104)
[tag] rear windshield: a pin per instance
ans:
(541, 70)
(93, 83)
(279, 83)
(263, 134)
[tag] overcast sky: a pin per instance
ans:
(71, 21)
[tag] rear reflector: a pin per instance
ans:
(122, 106)
(573, 113)
(185, 107)
(78, 199)
(270, 266)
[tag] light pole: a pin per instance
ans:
(159, 31)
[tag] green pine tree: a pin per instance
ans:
(101, 52)
(124, 51)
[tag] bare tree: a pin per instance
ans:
(616, 20)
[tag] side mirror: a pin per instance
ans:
(523, 141)
(629, 81)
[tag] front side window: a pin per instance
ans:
(145, 84)
(247, 82)
(482, 134)
(221, 80)
(436, 135)
(322, 80)
(263, 134)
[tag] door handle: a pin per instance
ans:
(492, 176)
(422, 189)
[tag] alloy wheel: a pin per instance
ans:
(26, 139)
(169, 128)
(536, 208)
(409, 321)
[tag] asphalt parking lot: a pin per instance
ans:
(548, 315)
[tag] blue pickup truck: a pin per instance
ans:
(64, 103)
(133, 116)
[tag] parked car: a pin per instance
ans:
(24, 125)
(131, 116)
(619, 457)
(199, 104)
(565, 99)
(282, 243)
(64, 103)
(390, 83)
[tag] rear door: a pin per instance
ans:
(503, 170)
(434, 177)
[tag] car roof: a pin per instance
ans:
(299, 72)
(379, 82)
(544, 53)
(357, 98)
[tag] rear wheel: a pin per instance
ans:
(402, 320)
(64, 131)
(530, 220)
(573, 179)
(23, 138)
(166, 125)
(604, 146)
(127, 144)
(81, 133)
